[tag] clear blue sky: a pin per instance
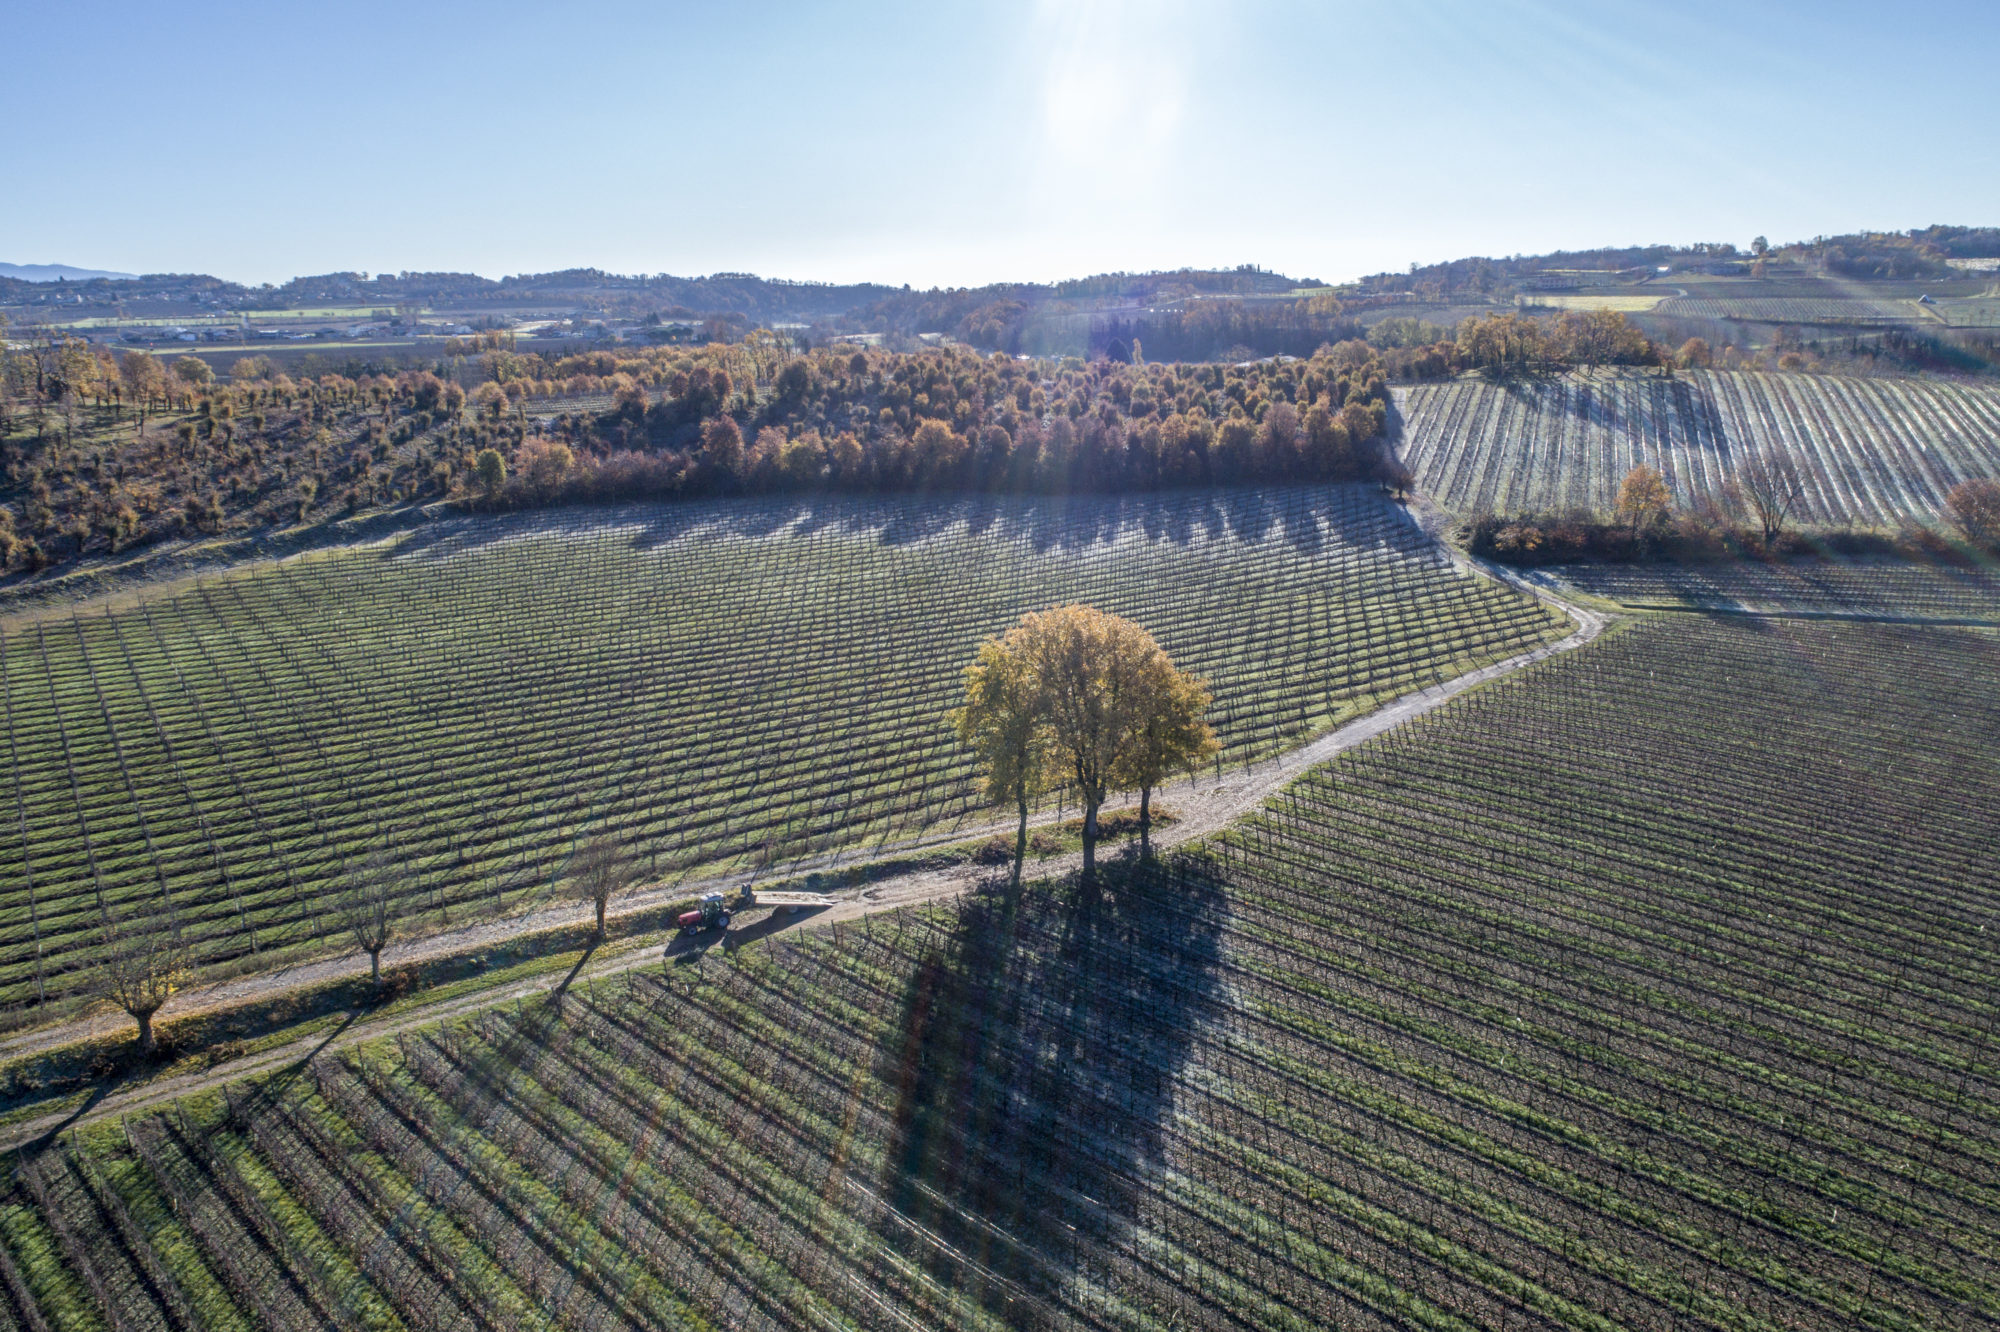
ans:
(954, 142)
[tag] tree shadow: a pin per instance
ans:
(1305, 516)
(1034, 1077)
(562, 987)
(42, 1142)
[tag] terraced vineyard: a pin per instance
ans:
(1552, 1010)
(1973, 312)
(1876, 452)
(707, 682)
(1882, 590)
(1793, 310)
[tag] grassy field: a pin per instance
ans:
(712, 683)
(1621, 302)
(1877, 452)
(1550, 1011)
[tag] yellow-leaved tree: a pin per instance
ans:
(1643, 499)
(1170, 735)
(1001, 722)
(1080, 696)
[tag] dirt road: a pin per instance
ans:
(1203, 805)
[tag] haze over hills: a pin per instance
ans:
(1924, 298)
(50, 272)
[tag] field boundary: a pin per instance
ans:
(1858, 617)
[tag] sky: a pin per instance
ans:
(957, 142)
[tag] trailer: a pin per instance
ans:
(791, 902)
(714, 911)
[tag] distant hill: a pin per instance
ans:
(50, 272)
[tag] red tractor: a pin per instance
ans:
(713, 913)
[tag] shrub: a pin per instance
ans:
(1975, 507)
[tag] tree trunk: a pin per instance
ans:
(375, 968)
(1145, 821)
(600, 918)
(1021, 842)
(1089, 839)
(145, 1021)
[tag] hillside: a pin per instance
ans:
(1552, 1011)
(713, 683)
(1875, 451)
(64, 272)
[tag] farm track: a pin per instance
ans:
(1202, 806)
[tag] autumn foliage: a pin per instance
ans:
(1082, 698)
(103, 452)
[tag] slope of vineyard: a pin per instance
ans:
(1861, 588)
(1793, 309)
(1549, 1011)
(1876, 452)
(704, 681)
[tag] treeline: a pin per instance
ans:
(956, 420)
(1232, 331)
(1512, 344)
(1918, 253)
(1750, 517)
(1902, 255)
(104, 451)
(1481, 277)
(1507, 344)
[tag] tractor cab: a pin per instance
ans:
(713, 913)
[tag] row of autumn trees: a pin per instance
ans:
(1074, 696)
(847, 420)
(100, 452)
(1752, 514)
(103, 451)
(1511, 344)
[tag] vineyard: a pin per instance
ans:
(1974, 312)
(1874, 452)
(1883, 590)
(1548, 1011)
(707, 682)
(1792, 310)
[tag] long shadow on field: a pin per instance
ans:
(1250, 514)
(1035, 1074)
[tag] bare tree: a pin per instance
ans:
(367, 907)
(601, 868)
(1772, 485)
(145, 960)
